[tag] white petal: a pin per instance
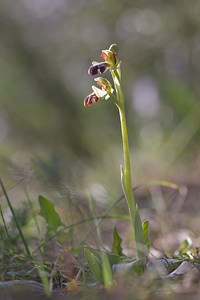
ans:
(98, 92)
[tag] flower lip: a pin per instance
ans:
(95, 98)
(93, 70)
(88, 101)
(102, 68)
(99, 67)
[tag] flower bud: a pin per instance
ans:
(104, 83)
(114, 49)
(109, 58)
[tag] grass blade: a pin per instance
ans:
(46, 283)
(124, 217)
(34, 218)
(5, 228)
(145, 227)
(15, 219)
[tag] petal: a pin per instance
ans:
(104, 56)
(98, 92)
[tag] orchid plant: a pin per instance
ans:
(106, 91)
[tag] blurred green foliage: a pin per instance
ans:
(46, 48)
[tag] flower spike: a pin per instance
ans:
(106, 91)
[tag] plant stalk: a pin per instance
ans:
(126, 172)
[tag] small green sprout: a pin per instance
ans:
(111, 63)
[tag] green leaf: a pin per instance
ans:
(171, 263)
(138, 267)
(96, 253)
(123, 181)
(114, 259)
(107, 271)
(95, 264)
(183, 247)
(145, 227)
(137, 223)
(139, 236)
(127, 192)
(116, 245)
(45, 281)
(47, 211)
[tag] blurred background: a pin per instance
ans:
(49, 142)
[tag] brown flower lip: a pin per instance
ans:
(94, 69)
(88, 101)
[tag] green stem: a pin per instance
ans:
(127, 167)
(126, 172)
(126, 152)
(127, 185)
